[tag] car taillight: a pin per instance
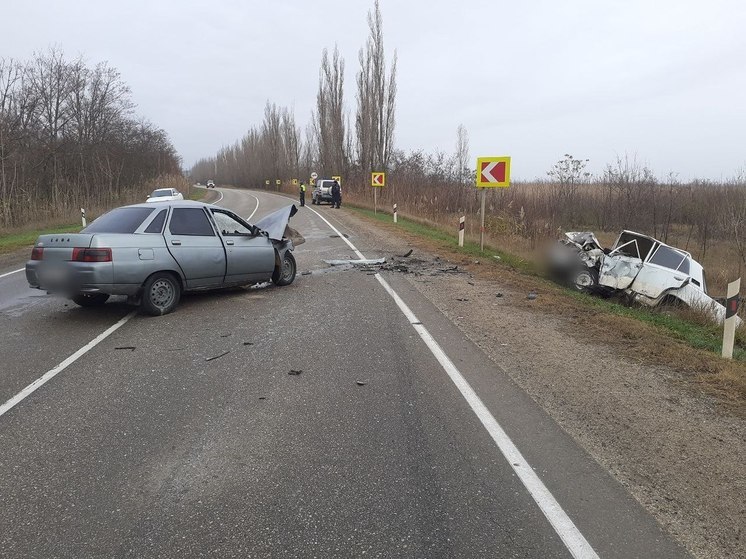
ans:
(37, 253)
(92, 254)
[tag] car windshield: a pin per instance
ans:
(162, 192)
(121, 220)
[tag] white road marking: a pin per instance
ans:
(575, 542)
(49, 375)
(13, 272)
(255, 209)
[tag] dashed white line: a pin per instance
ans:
(49, 375)
(574, 541)
(13, 272)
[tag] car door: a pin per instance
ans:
(665, 269)
(196, 247)
(249, 258)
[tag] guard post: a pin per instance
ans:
(731, 310)
(461, 226)
(395, 219)
(82, 217)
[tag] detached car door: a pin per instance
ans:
(249, 257)
(196, 247)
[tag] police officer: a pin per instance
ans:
(336, 195)
(302, 193)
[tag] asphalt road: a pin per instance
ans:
(377, 448)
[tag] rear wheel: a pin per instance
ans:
(285, 273)
(90, 299)
(161, 294)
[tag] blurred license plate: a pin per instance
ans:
(54, 275)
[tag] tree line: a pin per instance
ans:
(70, 138)
(333, 143)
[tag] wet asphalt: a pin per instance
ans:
(196, 441)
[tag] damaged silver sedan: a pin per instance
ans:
(153, 252)
(644, 269)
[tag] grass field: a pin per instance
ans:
(15, 240)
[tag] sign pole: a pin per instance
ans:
(481, 229)
(461, 226)
(731, 308)
(375, 200)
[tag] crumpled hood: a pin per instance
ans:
(275, 223)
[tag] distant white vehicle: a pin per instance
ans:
(165, 195)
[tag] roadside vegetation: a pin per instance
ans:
(70, 139)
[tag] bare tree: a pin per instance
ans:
(330, 114)
(376, 99)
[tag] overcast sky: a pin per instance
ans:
(662, 79)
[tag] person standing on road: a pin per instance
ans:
(336, 195)
(302, 193)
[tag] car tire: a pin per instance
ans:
(90, 299)
(161, 293)
(285, 273)
(585, 280)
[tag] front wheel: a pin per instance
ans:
(161, 294)
(285, 273)
(90, 299)
(585, 280)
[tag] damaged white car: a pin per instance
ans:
(645, 269)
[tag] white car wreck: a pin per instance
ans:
(645, 269)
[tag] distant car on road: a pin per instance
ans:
(211, 184)
(165, 195)
(322, 192)
(154, 252)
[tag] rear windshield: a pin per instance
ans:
(120, 220)
(634, 246)
(157, 193)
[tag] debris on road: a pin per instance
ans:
(356, 262)
(532, 295)
(462, 299)
(361, 382)
(498, 294)
(306, 273)
(407, 255)
(295, 372)
(248, 343)
(217, 356)
(226, 335)
(130, 347)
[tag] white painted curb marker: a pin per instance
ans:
(731, 307)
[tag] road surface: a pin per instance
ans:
(399, 438)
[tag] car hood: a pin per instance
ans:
(275, 223)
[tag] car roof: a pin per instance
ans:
(173, 204)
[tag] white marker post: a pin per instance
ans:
(82, 216)
(461, 226)
(731, 308)
(395, 218)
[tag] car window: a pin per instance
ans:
(667, 257)
(156, 226)
(159, 193)
(634, 246)
(190, 221)
(120, 220)
(228, 225)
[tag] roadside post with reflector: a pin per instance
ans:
(461, 226)
(395, 218)
(731, 309)
(492, 172)
(82, 216)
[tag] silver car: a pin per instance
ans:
(155, 251)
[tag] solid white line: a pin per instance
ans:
(13, 272)
(575, 542)
(341, 236)
(255, 209)
(49, 375)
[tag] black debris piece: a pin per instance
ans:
(361, 382)
(248, 343)
(306, 273)
(130, 347)
(217, 356)
(295, 372)
(498, 294)
(262, 397)
(225, 335)
(406, 255)
(462, 299)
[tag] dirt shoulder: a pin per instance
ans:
(636, 400)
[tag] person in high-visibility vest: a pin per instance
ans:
(302, 194)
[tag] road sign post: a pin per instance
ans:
(377, 180)
(492, 172)
(461, 226)
(731, 308)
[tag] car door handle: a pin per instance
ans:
(175, 242)
(228, 242)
